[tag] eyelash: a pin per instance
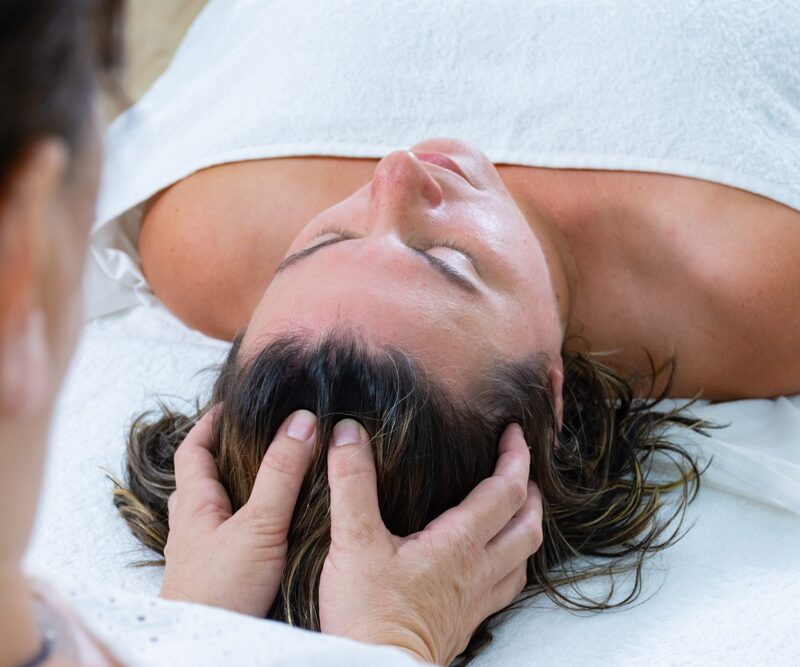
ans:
(447, 243)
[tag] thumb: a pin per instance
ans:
(355, 515)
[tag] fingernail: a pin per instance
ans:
(301, 425)
(347, 432)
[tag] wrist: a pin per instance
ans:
(20, 638)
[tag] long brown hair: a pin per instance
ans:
(603, 510)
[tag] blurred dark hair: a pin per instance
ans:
(603, 510)
(52, 53)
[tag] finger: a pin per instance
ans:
(508, 588)
(283, 469)
(491, 504)
(200, 496)
(193, 458)
(520, 538)
(355, 514)
(172, 503)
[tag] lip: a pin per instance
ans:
(441, 160)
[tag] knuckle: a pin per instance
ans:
(282, 461)
(521, 580)
(263, 520)
(533, 529)
(358, 533)
(460, 538)
(205, 497)
(534, 492)
(348, 467)
(538, 538)
(467, 554)
(513, 490)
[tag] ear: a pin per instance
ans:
(27, 197)
(557, 387)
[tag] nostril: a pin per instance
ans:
(441, 160)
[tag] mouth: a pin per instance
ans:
(441, 160)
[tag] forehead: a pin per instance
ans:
(384, 298)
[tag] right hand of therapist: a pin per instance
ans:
(425, 593)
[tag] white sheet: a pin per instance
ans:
(728, 593)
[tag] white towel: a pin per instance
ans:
(702, 88)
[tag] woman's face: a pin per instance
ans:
(432, 256)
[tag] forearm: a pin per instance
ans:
(19, 632)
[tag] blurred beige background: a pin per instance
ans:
(153, 31)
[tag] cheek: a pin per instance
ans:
(62, 287)
(65, 255)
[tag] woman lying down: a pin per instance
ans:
(434, 296)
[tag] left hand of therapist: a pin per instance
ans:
(228, 560)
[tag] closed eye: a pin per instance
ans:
(442, 267)
(345, 235)
(452, 245)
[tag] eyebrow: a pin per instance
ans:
(443, 268)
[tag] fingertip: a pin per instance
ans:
(210, 414)
(348, 432)
(202, 429)
(513, 439)
(513, 433)
(349, 453)
(199, 437)
(301, 425)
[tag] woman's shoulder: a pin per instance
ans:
(731, 288)
(694, 271)
(750, 263)
(210, 244)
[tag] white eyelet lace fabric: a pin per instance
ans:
(141, 631)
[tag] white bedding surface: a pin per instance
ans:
(728, 593)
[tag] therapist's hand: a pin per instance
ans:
(426, 593)
(236, 560)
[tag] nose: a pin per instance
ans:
(402, 182)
